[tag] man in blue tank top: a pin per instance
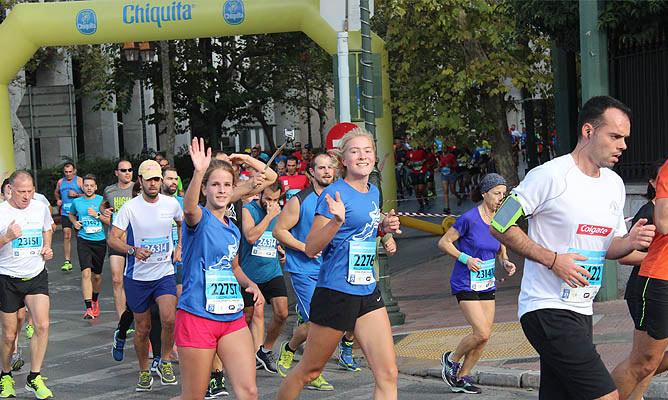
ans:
(68, 188)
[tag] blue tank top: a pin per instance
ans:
(259, 260)
(209, 245)
(347, 264)
(296, 261)
(91, 228)
(65, 187)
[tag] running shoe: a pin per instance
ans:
(165, 371)
(321, 384)
(449, 369)
(145, 382)
(38, 387)
(216, 387)
(154, 364)
(96, 309)
(89, 314)
(67, 266)
(7, 387)
(346, 359)
(464, 385)
(266, 360)
(30, 330)
(117, 347)
(17, 361)
(285, 358)
(130, 331)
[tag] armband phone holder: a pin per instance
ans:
(508, 214)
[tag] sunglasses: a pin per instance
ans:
(125, 169)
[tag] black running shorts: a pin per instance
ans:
(475, 296)
(340, 310)
(273, 288)
(652, 310)
(570, 366)
(91, 254)
(14, 290)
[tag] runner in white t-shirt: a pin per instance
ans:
(149, 274)
(25, 245)
(574, 204)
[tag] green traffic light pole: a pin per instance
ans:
(368, 107)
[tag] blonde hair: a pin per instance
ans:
(343, 145)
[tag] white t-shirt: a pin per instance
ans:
(570, 213)
(42, 199)
(149, 225)
(21, 257)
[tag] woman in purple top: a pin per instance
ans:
(472, 280)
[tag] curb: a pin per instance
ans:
(528, 379)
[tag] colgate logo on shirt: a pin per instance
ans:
(593, 230)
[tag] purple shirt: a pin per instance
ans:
(476, 241)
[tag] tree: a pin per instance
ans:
(452, 65)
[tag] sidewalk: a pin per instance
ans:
(434, 323)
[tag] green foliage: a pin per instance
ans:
(448, 58)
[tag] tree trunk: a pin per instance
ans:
(268, 132)
(502, 153)
(169, 105)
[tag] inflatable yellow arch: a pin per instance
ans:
(33, 25)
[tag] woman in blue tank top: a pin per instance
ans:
(346, 298)
(473, 279)
(209, 319)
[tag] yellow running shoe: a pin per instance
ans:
(7, 387)
(38, 387)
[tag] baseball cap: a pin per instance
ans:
(150, 169)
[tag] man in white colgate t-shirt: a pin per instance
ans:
(574, 204)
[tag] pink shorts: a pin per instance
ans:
(201, 333)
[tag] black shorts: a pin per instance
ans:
(633, 298)
(14, 290)
(570, 366)
(65, 222)
(113, 252)
(475, 296)
(418, 178)
(270, 289)
(91, 254)
(653, 308)
(340, 310)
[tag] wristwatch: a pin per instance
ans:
(131, 251)
(98, 215)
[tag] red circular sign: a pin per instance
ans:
(336, 133)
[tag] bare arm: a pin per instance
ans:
(251, 231)
(192, 214)
(634, 258)
(661, 216)
(57, 191)
(288, 218)
(246, 283)
(322, 232)
(447, 243)
(116, 240)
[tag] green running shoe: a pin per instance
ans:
(30, 330)
(7, 387)
(37, 386)
(285, 358)
(321, 384)
(145, 382)
(166, 373)
(67, 266)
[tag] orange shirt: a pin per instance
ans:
(655, 265)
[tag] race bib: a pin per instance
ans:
(91, 225)
(222, 292)
(290, 193)
(361, 256)
(159, 248)
(484, 278)
(445, 170)
(29, 244)
(265, 246)
(594, 264)
(175, 234)
(66, 208)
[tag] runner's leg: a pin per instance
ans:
(480, 315)
(194, 372)
(279, 306)
(374, 335)
(117, 264)
(142, 329)
(236, 350)
(639, 364)
(67, 243)
(167, 305)
(9, 333)
(39, 305)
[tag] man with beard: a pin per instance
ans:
(149, 274)
(170, 181)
